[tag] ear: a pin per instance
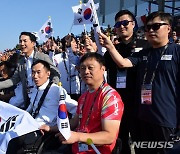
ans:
(133, 23)
(169, 29)
(34, 43)
(48, 73)
(103, 68)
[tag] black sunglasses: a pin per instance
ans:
(123, 22)
(154, 26)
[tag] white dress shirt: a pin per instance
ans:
(48, 111)
(29, 62)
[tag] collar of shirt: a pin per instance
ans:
(70, 52)
(43, 87)
(31, 56)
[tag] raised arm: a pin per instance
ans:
(118, 59)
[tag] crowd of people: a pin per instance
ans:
(130, 91)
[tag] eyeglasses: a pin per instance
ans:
(123, 22)
(154, 26)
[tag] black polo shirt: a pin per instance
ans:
(165, 108)
(128, 93)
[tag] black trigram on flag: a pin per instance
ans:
(49, 23)
(80, 20)
(64, 125)
(62, 97)
(8, 124)
(79, 11)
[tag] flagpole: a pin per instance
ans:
(71, 28)
(49, 17)
(85, 31)
(80, 2)
(52, 43)
(96, 27)
(95, 16)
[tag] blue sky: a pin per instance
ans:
(29, 15)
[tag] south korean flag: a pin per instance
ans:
(62, 119)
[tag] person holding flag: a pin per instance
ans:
(42, 107)
(99, 111)
(85, 13)
(122, 79)
(158, 81)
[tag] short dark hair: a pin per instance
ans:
(124, 12)
(99, 58)
(64, 42)
(162, 15)
(31, 36)
(44, 63)
(7, 64)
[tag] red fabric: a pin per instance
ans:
(107, 105)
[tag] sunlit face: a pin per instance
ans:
(125, 31)
(48, 43)
(40, 74)
(159, 36)
(91, 71)
(27, 46)
(73, 45)
(4, 71)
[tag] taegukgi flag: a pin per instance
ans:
(62, 119)
(14, 122)
(84, 13)
(46, 30)
(36, 34)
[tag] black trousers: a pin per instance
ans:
(129, 125)
(153, 133)
(33, 142)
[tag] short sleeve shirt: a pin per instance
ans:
(165, 107)
(106, 104)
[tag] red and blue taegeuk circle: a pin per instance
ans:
(62, 112)
(48, 29)
(87, 13)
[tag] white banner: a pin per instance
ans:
(14, 122)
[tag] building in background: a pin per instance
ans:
(108, 8)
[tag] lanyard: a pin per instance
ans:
(153, 75)
(92, 105)
(64, 57)
(68, 72)
(36, 111)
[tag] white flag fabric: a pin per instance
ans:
(14, 122)
(62, 119)
(46, 31)
(36, 35)
(83, 13)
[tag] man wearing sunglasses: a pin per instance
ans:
(158, 84)
(124, 80)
